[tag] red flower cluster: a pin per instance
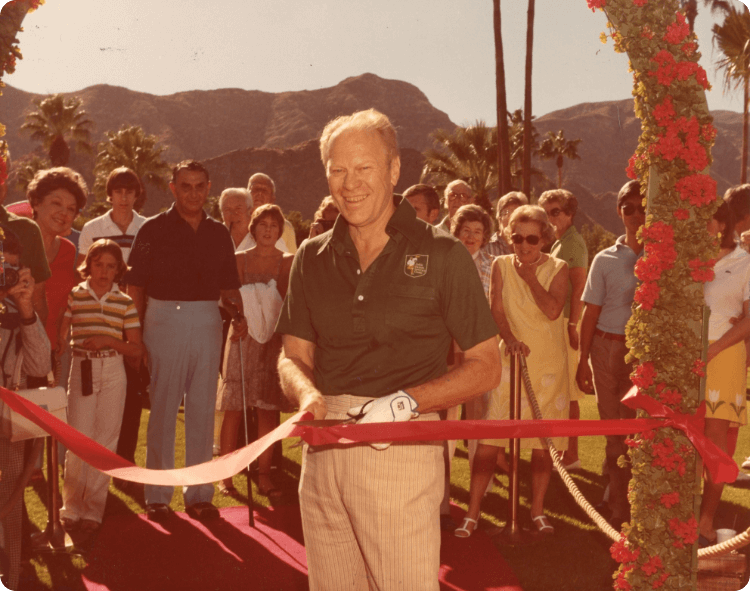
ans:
(660, 255)
(699, 189)
(621, 583)
(668, 70)
(660, 581)
(686, 532)
(594, 4)
(644, 375)
(681, 139)
(647, 294)
(632, 163)
(632, 443)
(699, 368)
(689, 48)
(708, 132)
(640, 2)
(678, 30)
(702, 271)
(664, 112)
(670, 499)
(654, 564)
(647, 33)
(681, 214)
(622, 553)
(667, 457)
(667, 396)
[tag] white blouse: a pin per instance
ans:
(727, 292)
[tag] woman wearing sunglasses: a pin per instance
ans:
(527, 296)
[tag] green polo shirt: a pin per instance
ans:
(572, 249)
(390, 327)
(30, 236)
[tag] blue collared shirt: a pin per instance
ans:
(611, 284)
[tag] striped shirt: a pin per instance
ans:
(105, 227)
(91, 316)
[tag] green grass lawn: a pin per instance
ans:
(576, 558)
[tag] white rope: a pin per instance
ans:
(738, 541)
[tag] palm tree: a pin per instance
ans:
(690, 8)
(516, 133)
(27, 168)
(131, 147)
(503, 153)
(556, 147)
(467, 153)
(56, 122)
(732, 38)
(527, 100)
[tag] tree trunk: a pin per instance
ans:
(503, 139)
(527, 103)
(690, 8)
(743, 173)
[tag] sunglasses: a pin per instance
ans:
(461, 197)
(629, 209)
(532, 239)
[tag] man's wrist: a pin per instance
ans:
(28, 320)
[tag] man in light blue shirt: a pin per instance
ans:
(608, 296)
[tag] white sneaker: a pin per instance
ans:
(742, 478)
(746, 463)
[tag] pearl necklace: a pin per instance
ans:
(528, 264)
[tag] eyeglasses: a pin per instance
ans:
(554, 212)
(629, 209)
(462, 197)
(532, 239)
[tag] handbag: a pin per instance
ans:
(53, 399)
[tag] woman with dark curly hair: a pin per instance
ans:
(56, 196)
(264, 271)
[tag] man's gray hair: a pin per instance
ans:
(236, 192)
(370, 120)
(266, 178)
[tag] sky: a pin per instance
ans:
(444, 47)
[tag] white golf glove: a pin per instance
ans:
(394, 408)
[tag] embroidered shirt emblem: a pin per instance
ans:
(416, 265)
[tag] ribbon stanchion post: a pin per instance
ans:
(512, 533)
(53, 538)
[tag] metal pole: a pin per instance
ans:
(512, 532)
(248, 481)
(53, 538)
(515, 447)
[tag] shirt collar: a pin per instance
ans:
(403, 224)
(87, 287)
(569, 231)
(175, 216)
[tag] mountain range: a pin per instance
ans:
(238, 132)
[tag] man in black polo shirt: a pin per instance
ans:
(183, 261)
(371, 310)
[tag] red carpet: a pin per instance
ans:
(133, 553)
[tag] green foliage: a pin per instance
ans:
(56, 123)
(596, 239)
(301, 225)
(27, 168)
(131, 147)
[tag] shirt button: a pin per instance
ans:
(360, 298)
(359, 272)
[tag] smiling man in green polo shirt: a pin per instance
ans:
(371, 310)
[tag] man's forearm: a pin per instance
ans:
(479, 373)
(298, 385)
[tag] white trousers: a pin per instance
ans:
(97, 416)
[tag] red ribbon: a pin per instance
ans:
(719, 464)
(721, 467)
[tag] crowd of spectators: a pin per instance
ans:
(220, 316)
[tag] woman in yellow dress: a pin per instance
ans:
(527, 293)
